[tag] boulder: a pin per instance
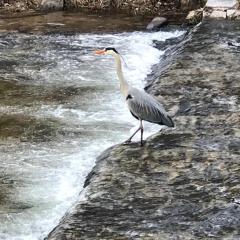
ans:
(52, 4)
(215, 14)
(156, 23)
(195, 16)
(225, 4)
(233, 14)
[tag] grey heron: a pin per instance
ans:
(142, 106)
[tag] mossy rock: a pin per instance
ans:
(27, 128)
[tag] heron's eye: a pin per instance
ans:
(129, 97)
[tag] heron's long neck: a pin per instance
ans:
(123, 83)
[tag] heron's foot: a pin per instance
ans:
(141, 143)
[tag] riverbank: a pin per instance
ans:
(184, 182)
(132, 7)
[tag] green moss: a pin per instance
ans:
(12, 93)
(27, 128)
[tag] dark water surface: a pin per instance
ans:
(69, 22)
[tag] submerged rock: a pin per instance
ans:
(180, 185)
(27, 128)
(156, 23)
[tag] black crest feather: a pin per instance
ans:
(113, 49)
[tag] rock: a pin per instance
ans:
(216, 14)
(233, 14)
(156, 23)
(168, 43)
(181, 183)
(52, 4)
(224, 4)
(195, 16)
(18, 126)
(218, 8)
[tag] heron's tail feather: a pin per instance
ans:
(168, 121)
(171, 122)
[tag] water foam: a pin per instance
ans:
(53, 173)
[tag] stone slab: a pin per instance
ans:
(221, 3)
(233, 14)
(218, 14)
(184, 182)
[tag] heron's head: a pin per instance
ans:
(107, 51)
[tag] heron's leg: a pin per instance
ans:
(141, 127)
(129, 140)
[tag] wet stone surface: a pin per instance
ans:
(184, 183)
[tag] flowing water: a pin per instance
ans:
(60, 108)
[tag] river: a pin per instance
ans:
(60, 108)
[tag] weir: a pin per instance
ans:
(61, 107)
(184, 182)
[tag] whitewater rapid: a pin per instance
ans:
(48, 175)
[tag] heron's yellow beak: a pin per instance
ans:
(100, 52)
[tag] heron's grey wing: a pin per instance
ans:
(145, 107)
